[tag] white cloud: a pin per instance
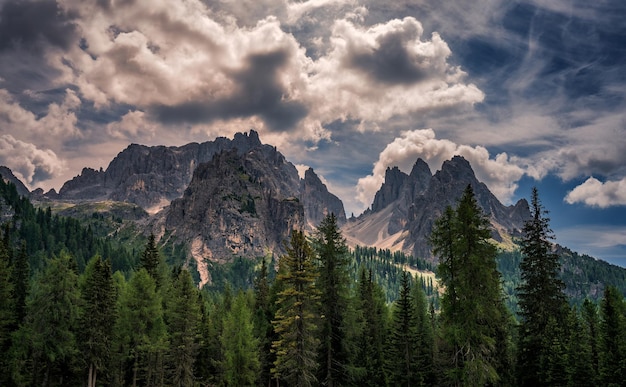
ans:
(595, 193)
(29, 163)
(500, 173)
(59, 122)
(133, 126)
(385, 70)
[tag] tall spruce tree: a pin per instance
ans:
(152, 261)
(541, 298)
(424, 356)
(333, 284)
(7, 311)
(612, 338)
(295, 321)
(591, 324)
(141, 331)
(372, 336)
(239, 345)
(21, 282)
(97, 316)
(183, 319)
(472, 309)
(403, 341)
(51, 322)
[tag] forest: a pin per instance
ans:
(79, 309)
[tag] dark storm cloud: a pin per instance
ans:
(32, 25)
(258, 92)
(391, 62)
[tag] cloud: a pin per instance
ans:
(58, 124)
(375, 73)
(595, 193)
(500, 174)
(133, 126)
(29, 163)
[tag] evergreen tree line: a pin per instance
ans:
(310, 323)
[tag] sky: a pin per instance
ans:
(532, 93)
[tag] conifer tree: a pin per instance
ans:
(612, 338)
(52, 316)
(151, 261)
(472, 308)
(240, 347)
(183, 319)
(580, 366)
(263, 316)
(7, 311)
(591, 324)
(141, 330)
(540, 297)
(97, 316)
(332, 284)
(403, 342)
(21, 282)
(372, 335)
(295, 321)
(424, 356)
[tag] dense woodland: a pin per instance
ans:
(80, 309)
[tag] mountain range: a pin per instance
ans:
(240, 198)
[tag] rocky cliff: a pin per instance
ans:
(406, 207)
(150, 176)
(318, 202)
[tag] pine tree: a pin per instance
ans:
(373, 312)
(424, 356)
(52, 316)
(240, 347)
(97, 316)
(540, 296)
(472, 312)
(332, 284)
(141, 330)
(580, 367)
(403, 341)
(591, 324)
(7, 311)
(612, 338)
(263, 316)
(295, 320)
(183, 319)
(21, 282)
(152, 261)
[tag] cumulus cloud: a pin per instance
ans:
(133, 126)
(595, 193)
(57, 124)
(29, 163)
(374, 73)
(500, 173)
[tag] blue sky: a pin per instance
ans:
(530, 92)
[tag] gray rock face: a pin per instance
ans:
(421, 198)
(8, 176)
(238, 205)
(149, 176)
(318, 202)
(391, 188)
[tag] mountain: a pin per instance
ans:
(405, 207)
(8, 177)
(150, 176)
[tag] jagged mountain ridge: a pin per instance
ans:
(150, 176)
(405, 207)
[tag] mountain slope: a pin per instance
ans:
(406, 206)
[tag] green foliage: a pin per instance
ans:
(97, 317)
(183, 325)
(473, 316)
(333, 285)
(140, 331)
(612, 338)
(239, 345)
(295, 321)
(542, 303)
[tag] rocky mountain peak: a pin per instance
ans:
(318, 202)
(408, 218)
(391, 188)
(8, 176)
